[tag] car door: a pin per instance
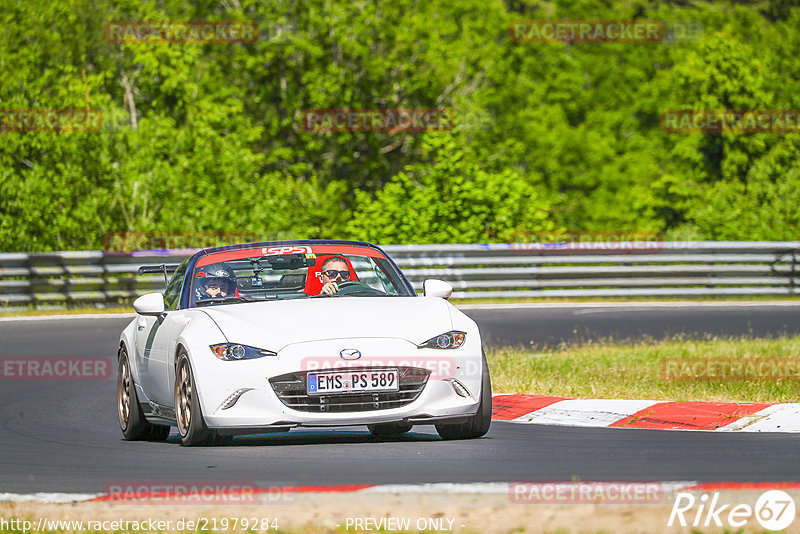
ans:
(154, 340)
(177, 321)
(150, 354)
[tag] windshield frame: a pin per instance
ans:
(320, 247)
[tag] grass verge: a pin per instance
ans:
(677, 369)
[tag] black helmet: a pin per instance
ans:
(216, 272)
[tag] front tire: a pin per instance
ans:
(477, 425)
(132, 422)
(191, 425)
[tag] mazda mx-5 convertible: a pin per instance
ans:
(266, 337)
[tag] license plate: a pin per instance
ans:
(353, 382)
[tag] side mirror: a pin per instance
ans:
(149, 304)
(437, 288)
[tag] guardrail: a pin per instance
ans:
(54, 280)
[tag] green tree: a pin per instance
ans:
(449, 200)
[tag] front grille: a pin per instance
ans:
(291, 390)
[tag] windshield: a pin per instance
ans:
(294, 272)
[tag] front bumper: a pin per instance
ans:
(259, 407)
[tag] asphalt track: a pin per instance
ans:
(63, 436)
(552, 324)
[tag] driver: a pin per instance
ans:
(215, 281)
(334, 271)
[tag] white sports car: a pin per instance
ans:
(266, 337)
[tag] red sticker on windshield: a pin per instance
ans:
(201, 274)
(271, 251)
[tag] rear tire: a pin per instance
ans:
(389, 429)
(191, 425)
(132, 422)
(477, 425)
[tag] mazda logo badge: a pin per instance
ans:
(350, 354)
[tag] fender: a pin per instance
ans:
(196, 336)
(126, 339)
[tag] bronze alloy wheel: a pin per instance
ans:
(124, 387)
(188, 414)
(132, 421)
(183, 397)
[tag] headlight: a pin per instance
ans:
(449, 340)
(234, 351)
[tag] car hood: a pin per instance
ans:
(272, 325)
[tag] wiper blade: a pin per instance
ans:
(223, 300)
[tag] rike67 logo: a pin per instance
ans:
(774, 510)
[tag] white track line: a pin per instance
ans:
(585, 413)
(474, 488)
(775, 418)
(442, 487)
(56, 498)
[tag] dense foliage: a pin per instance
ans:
(209, 137)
